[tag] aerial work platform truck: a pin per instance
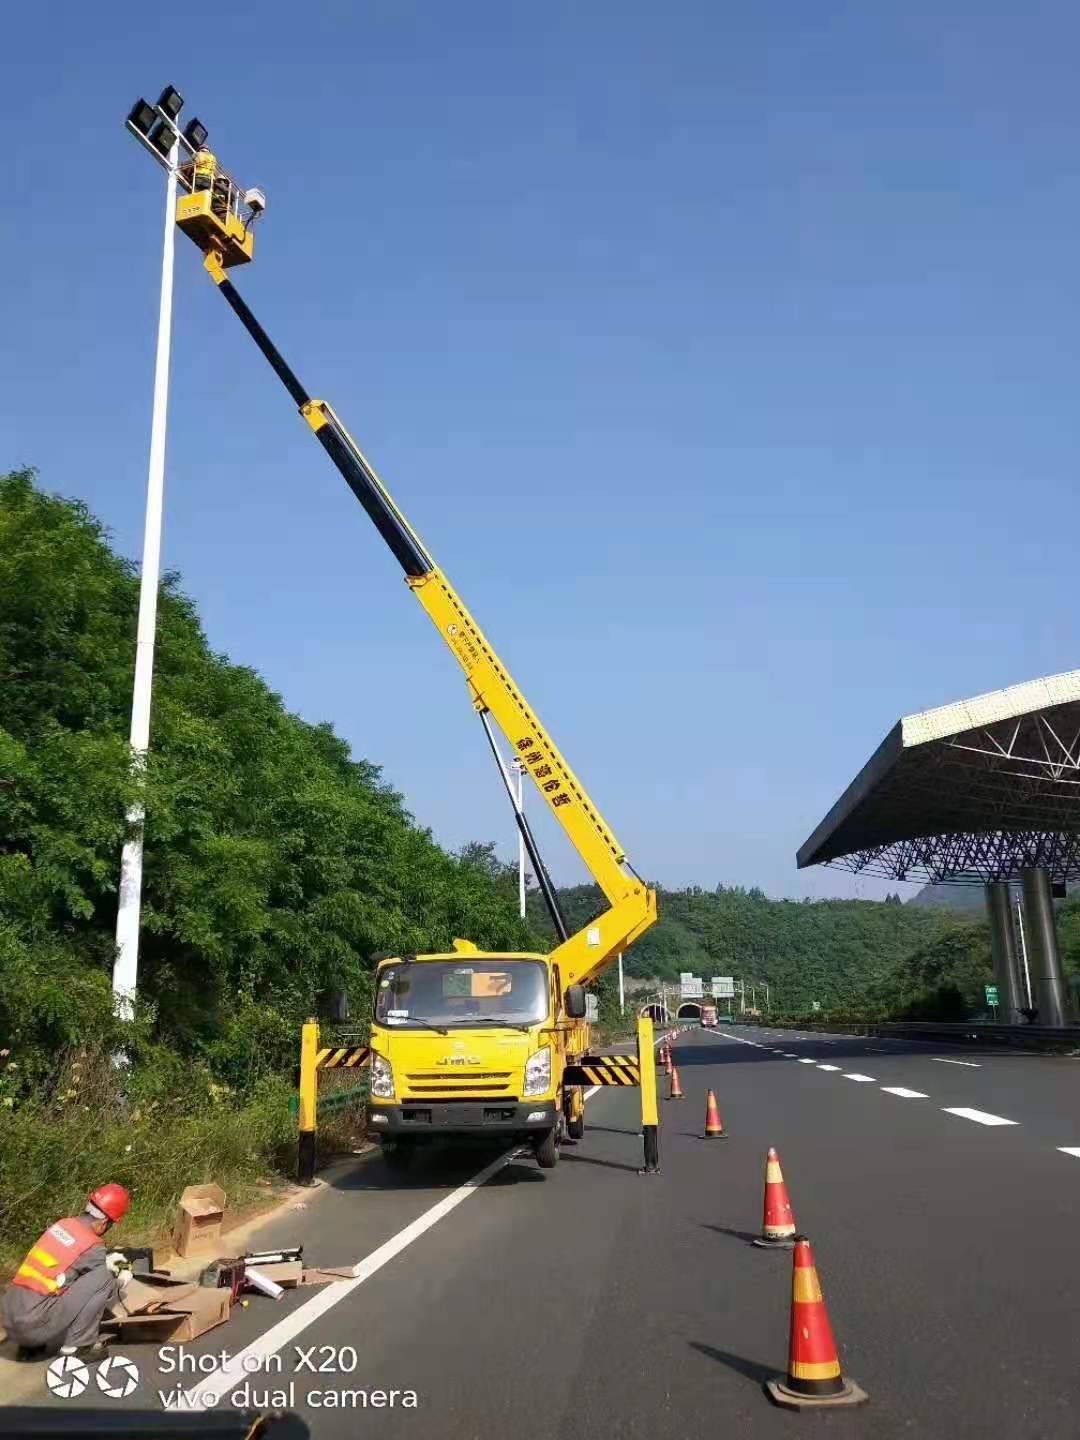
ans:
(464, 1042)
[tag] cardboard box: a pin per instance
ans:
(197, 1229)
(159, 1309)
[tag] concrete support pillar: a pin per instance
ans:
(1044, 959)
(1004, 953)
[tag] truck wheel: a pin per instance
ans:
(547, 1149)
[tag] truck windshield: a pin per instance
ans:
(446, 993)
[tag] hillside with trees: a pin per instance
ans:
(276, 863)
(853, 957)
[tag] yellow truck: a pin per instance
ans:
(464, 1042)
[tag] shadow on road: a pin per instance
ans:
(610, 1130)
(740, 1363)
(605, 1164)
(442, 1167)
(747, 1235)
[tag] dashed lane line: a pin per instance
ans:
(979, 1116)
(828, 1067)
(971, 1064)
(864, 1079)
(904, 1093)
(1070, 1150)
(805, 1060)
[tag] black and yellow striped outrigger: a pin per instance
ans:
(604, 1070)
(347, 1056)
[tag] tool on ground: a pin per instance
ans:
(714, 1126)
(241, 1272)
(778, 1224)
(813, 1378)
(675, 1092)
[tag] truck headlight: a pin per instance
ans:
(538, 1072)
(382, 1078)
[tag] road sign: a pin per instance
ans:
(690, 987)
(991, 995)
(723, 987)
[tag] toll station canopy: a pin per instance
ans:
(966, 793)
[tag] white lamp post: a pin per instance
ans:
(154, 126)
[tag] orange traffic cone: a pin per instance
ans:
(778, 1225)
(663, 1055)
(813, 1374)
(714, 1126)
(675, 1093)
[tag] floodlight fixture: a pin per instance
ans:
(142, 116)
(171, 101)
(162, 138)
(195, 133)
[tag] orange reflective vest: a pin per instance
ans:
(44, 1269)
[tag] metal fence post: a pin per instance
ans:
(309, 1081)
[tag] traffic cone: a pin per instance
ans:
(778, 1225)
(813, 1376)
(663, 1055)
(714, 1126)
(675, 1093)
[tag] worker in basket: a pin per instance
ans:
(68, 1280)
(204, 169)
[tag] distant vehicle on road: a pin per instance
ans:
(708, 1015)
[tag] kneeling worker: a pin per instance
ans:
(68, 1279)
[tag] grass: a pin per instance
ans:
(97, 1123)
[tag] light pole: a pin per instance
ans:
(518, 766)
(154, 126)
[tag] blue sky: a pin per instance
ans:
(723, 356)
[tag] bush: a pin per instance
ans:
(152, 1129)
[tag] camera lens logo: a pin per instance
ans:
(67, 1377)
(117, 1377)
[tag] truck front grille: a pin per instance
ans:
(460, 1082)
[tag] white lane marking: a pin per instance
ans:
(971, 1065)
(828, 1067)
(805, 1060)
(979, 1116)
(789, 1054)
(903, 1093)
(216, 1386)
(856, 1076)
(1070, 1150)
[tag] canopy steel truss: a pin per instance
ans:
(967, 793)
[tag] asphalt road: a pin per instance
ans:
(593, 1301)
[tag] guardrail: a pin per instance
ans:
(968, 1032)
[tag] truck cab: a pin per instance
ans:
(472, 1044)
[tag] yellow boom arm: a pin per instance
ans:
(631, 904)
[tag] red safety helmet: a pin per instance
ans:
(112, 1200)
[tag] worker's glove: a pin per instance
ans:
(123, 1280)
(116, 1261)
